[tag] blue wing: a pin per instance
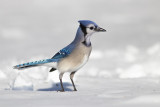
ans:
(64, 52)
(61, 54)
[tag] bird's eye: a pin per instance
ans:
(91, 28)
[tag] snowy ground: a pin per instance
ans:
(128, 78)
(96, 92)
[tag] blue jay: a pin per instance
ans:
(72, 57)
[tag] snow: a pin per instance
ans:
(135, 71)
(94, 92)
(2, 75)
(131, 53)
(96, 54)
(22, 83)
(154, 49)
(147, 99)
(114, 78)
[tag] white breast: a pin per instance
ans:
(84, 61)
(75, 60)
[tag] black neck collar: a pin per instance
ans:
(83, 28)
(85, 43)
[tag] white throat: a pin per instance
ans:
(81, 37)
(87, 40)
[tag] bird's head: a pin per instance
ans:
(89, 27)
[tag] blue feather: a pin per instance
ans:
(64, 52)
(87, 22)
(61, 54)
(35, 63)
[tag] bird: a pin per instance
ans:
(72, 57)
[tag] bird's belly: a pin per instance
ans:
(72, 64)
(81, 64)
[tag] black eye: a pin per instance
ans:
(91, 28)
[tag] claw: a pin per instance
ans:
(60, 91)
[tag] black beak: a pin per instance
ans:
(98, 29)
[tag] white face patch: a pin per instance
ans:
(90, 29)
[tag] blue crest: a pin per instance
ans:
(87, 22)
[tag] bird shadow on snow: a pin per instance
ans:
(57, 87)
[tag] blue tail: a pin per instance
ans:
(35, 63)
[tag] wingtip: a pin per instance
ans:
(14, 67)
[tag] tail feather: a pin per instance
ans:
(52, 69)
(33, 64)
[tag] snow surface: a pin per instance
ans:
(118, 78)
(92, 92)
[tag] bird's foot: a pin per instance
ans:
(60, 91)
(75, 90)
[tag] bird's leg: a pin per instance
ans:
(71, 77)
(60, 78)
